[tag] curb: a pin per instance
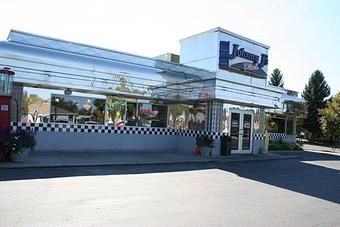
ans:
(261, 159)
(104, 164)
(149, 163)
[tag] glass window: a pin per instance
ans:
(131, 114)
(152, 115)
(257, 121)
(35, 109)
(145, 114)
(235, 130)
(276, 125)
(178, 116)
(116, 110)
(74, 109)
(290, 126)
(225, 118)
(161, 116)
(246, 131)
(196, 119)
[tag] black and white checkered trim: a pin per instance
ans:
(194, 133)
(60, 127)
(258, 136)
(282, 136)
(57, 127)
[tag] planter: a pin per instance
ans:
(205, 151)
(20, 157)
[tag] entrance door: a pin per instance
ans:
(241, 129)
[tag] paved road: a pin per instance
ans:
(312, 147)
(294, 192)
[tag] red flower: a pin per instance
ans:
(198, 151)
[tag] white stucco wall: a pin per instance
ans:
(236, 86)
(200, 52)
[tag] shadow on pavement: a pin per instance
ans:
(295, 175)
(291, 174)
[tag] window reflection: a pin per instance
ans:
(182, 116)
(225, 118)
(290, 125)
(235, 130)
(115, 111)
(196, 120)
(146, 114)
(133, 112)
(73, 109)
(161, 118)
(276, 124)
(152, 115)
(178, 116)
(35, 109)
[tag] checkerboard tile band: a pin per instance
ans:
(258, 136)
(57, 127)
(281, 136)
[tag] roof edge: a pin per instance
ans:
(222, 30)
(71, 42)
(153, 60)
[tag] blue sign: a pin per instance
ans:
(254, 67)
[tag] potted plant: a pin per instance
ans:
(19, 144)
(204, 144)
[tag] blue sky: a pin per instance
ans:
(303, 35)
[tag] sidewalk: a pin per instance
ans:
(114, 158)
(319, 148)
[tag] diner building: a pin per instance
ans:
(82, 97)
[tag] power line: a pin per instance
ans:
(187, 84)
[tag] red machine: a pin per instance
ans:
(5, 113)
(6, 80)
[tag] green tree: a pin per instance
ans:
(64, 104)
(123, 86)
(28, 99)
(276, 78)
(314, 94)
(330, 118)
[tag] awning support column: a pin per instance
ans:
(214, 116)
(294, 125)
(262, 119)
(18, 96)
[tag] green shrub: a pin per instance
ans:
(16, 142)
(282, 145)
(205, 141)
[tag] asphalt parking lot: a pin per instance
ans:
(292, 192)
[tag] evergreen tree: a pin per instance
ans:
(276, 78)
(330, 118)
(314, 94)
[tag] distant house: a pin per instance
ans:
(38, 112)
